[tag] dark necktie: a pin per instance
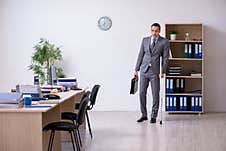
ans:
(153, 44)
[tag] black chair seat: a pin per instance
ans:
(59, 126)
(69, 116)
(71, 127)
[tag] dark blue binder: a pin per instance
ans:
(171, 103)
(174, 103)
(184, 103)
(190, 51)
(171, 89)
(196, 54)
(167, 103)
(167, 85)
(200, 103)
(182, 85)
(192, 103)
(196, 103)
(181, 103)
(200, 50)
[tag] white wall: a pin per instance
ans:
(107, 58)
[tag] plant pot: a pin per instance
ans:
(173, 36)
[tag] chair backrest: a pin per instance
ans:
(93, 95)
(86, 94)
(82, 110)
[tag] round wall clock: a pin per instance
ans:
(104, 23)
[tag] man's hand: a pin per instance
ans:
(135, 74)
(162, 75)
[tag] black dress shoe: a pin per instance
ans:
(142, 119)
(153, 120)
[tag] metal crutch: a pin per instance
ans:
(162, 82)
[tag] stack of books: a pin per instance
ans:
(11, 100)
(175, 70)
(33, 90)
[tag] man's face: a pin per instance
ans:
(155, 31)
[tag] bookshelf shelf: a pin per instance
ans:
(185, 112)
(184, 94)
(188, 77)
(186, 41)
(186, 59)
(181, 65)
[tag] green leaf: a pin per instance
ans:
(45, 55)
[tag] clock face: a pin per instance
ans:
(104, 23)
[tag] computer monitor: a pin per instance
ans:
(53, 76)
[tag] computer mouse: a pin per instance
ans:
(51, 96)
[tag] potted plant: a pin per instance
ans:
(45, 56)
(173, 35)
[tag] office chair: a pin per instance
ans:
(93, 97)
(68, 126)
(72, 116)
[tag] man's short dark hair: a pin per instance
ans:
(157, 25)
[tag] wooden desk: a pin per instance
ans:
(21, 129)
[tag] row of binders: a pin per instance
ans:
(193, 50)
(183, 103)
(175, 85)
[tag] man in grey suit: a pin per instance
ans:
(148, 63)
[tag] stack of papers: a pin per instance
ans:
(11, 100)
(175, 70)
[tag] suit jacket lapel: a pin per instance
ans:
(149, 43)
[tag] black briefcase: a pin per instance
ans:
(134, 85)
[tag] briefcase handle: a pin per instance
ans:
(136, 77)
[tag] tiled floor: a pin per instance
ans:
(118, 131)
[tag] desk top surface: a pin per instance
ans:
(43, 106)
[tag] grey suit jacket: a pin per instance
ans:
(147, 57)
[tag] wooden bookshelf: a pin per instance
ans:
(191, 64)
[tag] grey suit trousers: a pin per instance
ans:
(153, 78)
